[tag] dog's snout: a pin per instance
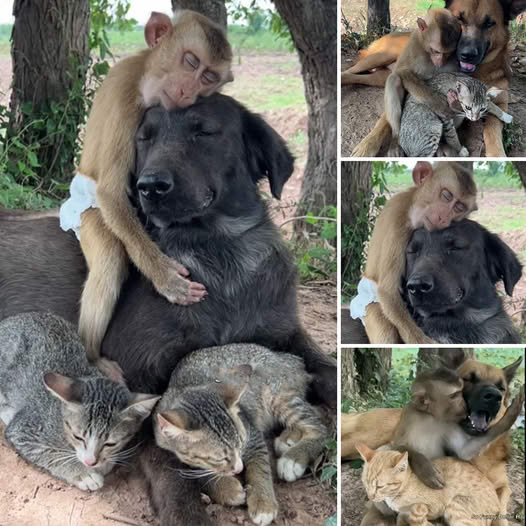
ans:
(469, 54)
(155, 185)
(420, 284)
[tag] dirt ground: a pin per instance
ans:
(354, 495)
(362, 106)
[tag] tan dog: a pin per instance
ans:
(377, 427)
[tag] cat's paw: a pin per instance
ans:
(290, 469)
(228, 491)
(262, 510)
(90, 482)
(463, 152)
(288, 438)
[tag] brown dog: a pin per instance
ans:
(377, 427)
(482, 51)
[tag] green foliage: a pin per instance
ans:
(329, 470)
(316, 256)
(352, 40)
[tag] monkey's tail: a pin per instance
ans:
(370, 146)
(26, 215)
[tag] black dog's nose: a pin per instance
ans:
(420, 284)
(469, 54)
(154, 185)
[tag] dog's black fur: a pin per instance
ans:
(197, 170)
(449, 283)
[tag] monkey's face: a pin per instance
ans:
(440, 35)
(448, 404)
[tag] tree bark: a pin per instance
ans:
(355, 201)
(49, 51)
(213, 9)
(372, 369)
(521, 168)
(348, 373)
(313, 28)
(378, 18)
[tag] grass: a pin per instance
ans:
(13, 195)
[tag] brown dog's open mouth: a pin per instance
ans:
(477, 422)
(466, 67)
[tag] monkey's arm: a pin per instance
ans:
(423, 468)
(473, 446)
(424, 94)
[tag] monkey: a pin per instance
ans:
(431, 47)
(443, 193)
(185, 59)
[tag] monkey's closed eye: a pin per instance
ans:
(446, 194)
(191, 60)
(209, 77)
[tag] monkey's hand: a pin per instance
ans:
(171, 283)
(425, 470)
(512, 413)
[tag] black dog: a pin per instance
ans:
(196, 177)
(449, 283)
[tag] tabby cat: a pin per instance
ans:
(467, 499)
(218, 406)
(421, 129)
(76, 426)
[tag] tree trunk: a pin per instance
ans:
(372, 369)
(313, 28)
(521, 168)
(356, 197)
(50, 56)
(378, 18)
(348, 373)
(213, 9)
(449, 357)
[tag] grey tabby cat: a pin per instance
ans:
(76, 426)
(421, 129)
(218, 406)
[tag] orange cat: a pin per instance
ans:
(467, 499)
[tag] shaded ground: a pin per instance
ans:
(31, 498)
(362, 106)
(354, 495)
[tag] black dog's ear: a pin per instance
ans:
(502, 262)
(267, 153)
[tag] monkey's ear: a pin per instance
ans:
(421, 24)
(267, 153)
(422, 171)
(420, 400)
(365, 452)
(494, 92)
(502, 263)
(158, 26)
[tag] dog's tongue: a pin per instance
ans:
(467, 67)
(479, 420)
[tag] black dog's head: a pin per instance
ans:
(484, 28)
(457, 267)
(206, 160)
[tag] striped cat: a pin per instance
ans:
(467, 499)
(421, 130)
(218, 406)
(75, 427)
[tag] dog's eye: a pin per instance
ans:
(461, 18)
(488, 23)
(500, 387)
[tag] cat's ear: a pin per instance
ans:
(494, 92)
(230, 393)
(365, 452)
(462, 89)
(402, 463)
(141, 405)
(65, 389)
(173, 424)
